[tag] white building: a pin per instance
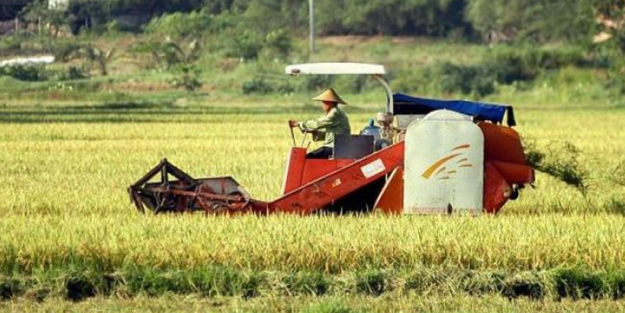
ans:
(58, 4)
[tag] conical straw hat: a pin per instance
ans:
(329, 95)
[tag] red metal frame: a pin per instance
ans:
(340, 182)
(300, 170)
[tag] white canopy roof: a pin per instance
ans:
(336, 68)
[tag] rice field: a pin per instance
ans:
(78, 159)
(68, 230)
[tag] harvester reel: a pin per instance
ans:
(159, 196)
(166, 202)
(219, 195)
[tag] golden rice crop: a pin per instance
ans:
(64, 208)
(81, 162)
(320, 244)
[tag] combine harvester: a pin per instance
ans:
(426, 156)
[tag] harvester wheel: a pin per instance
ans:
(514, 194)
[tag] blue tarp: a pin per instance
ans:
(485, 111)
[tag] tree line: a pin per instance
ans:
(490, 20)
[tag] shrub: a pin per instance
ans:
(11, 43)
(179, 24)
(350, 83)
(510, 65)
(249, 44)
(169, 54)
(65, 51)
(318, 82)
(257, 85)
(285, 88)
(71, 73)
(452, 78)
(278, 43)
(187, 77)
(246, 45)
(30, 73)
(34, 73)
(616, 73)
(501, 66)
(408, 81)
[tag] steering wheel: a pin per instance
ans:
(304, 137)
(305, 133)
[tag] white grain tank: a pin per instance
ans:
(444, 160)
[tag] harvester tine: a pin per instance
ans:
(134, 197)
(165, 168)
(149, 175)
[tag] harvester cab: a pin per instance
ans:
(372, 137)
(425, 156)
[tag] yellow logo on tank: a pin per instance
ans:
(442, 167)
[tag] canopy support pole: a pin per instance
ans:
(387, 89)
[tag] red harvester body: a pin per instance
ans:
(471, 162)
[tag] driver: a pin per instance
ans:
(333, 122)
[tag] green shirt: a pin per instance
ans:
(335, 122)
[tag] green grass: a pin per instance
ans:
(407, 303)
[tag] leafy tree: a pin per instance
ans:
(537, 20)
(180, 24)
(396, 17)
(278, 43)
(66, 51)
(611, 17)
(169, 54)
(37, 11)
(98, 57)
(611, 20)
(238, 39)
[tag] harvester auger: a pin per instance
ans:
(426, 156)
